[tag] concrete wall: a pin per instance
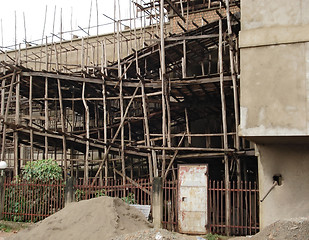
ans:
(291, 198)
(274, 101)
(274, 68)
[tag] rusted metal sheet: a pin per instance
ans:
(192, 198)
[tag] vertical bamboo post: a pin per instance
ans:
(163, 71)
(147, 133)
(6, 117)
(64, 144)
(30, 119)
(17, 121)
(46, 117)
(225, 143)
(235, 89)
(184, 60)
(121, 105)
(188, 126)
(235, 95)
(87, 134)
(104, 64)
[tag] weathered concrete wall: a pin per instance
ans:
(291, 198)
(274, 101)
(274, 68)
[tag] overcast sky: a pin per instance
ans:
(34, 11)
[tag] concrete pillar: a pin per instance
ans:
(69, 191)
(157, 202)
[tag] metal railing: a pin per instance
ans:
(26, 201)
(33, 201)
(170, 206)
(244, 213)
(138, 193)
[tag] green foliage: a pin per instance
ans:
(43, 170)
(100, 193)
(5, 228)
(35, 191)
(130, 199)
(211, 236)
(79, 194)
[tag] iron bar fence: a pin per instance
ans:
(244, 213)
(170, 206)
(31, 201)
(34, 200)
(138, 193)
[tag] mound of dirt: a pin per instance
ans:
(157, 234)
(291, 229)
(98, 218)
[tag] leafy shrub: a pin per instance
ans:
(43, 170)
(130, 199)
(35, 191)
(211, 236)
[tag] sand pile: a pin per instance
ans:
(98, 218)
(291, 229)
(154, 234)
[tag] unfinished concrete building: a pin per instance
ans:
(135, 103)
(274, 102)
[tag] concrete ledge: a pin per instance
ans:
(273, 36)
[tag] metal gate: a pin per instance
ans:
(192, 198)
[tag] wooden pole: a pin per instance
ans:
(146, 127)
(121, 106)
(235, 94)
(17, 121)
(30, 119)
(188, 126)
(46, 117)
(63, 128)
(163, 71)
(87, 134)
(104, 63)
(184, 60)
(225, 143)
(233, 74)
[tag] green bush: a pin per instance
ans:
(27, 193)
(43, 170)
(130, 199)
(211, 236)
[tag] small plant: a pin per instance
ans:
(211, 236)
(5, 228)
(130, 199)
(79, 194)
(100, 193)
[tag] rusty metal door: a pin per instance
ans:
(192, 198)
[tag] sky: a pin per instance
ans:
(30, 15)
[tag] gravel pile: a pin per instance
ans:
(292, 229)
